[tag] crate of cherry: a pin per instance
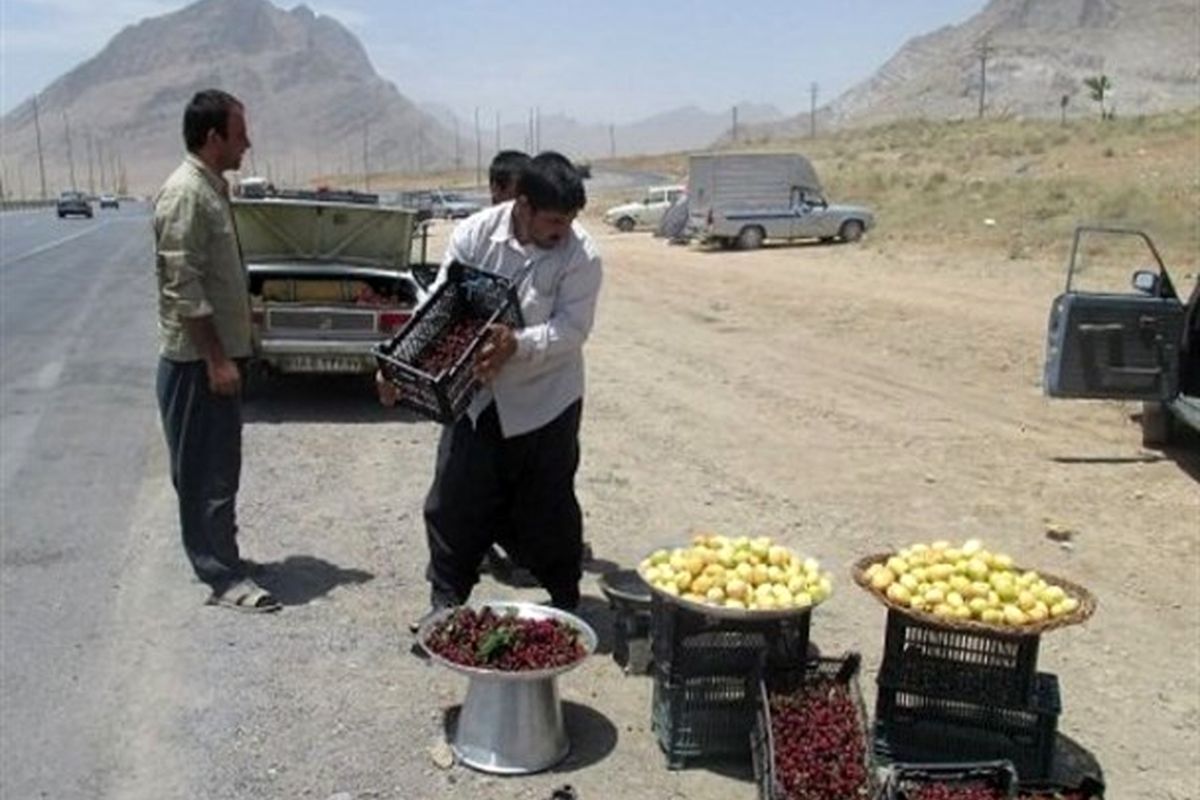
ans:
(912, 726)
(1086, 788)
(810, 740)
(995, 780)
(432, 357)
(956, 663)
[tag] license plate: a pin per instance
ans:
(326, 364)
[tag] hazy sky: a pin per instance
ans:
(597, 61)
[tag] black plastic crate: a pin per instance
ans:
(916, 727)
(629, 598)
(1088, 788)
(762, 738)
(688, 643)
(966, 665)
(466, 294)
(703, 718)
(905, 781)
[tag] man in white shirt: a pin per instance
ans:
(507, 466)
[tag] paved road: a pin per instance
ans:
(76, 416)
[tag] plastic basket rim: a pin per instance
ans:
(1087, 606)
(952, 771)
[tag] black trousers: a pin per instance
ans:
(519, 492)
(204, 440)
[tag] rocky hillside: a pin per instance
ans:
(312, 95)
(1037, 51)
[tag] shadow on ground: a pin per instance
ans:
(319, 398)
(300, 579)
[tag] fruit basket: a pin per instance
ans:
(829, 755)
(736, 578)
(431, 359)
(511, 720)
(1083, 604)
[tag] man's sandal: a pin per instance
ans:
(245, 595)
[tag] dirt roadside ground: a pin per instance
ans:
(842, 399)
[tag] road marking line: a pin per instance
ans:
(50, 245)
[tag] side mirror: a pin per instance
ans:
(1146, 281)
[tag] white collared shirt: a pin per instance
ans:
(557, 290)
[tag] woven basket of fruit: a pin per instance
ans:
(971, 589)
(736, 578)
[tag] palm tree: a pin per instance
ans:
(1099, 86)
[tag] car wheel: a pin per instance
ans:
(750, 238)
(851, 230)
(626, 224)
(61, 215)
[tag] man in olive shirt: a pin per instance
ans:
(204, 329)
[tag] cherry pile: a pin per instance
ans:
(975, 790)
(820, 749)
(441, 354)
(505, 642)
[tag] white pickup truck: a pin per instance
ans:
(328, 281)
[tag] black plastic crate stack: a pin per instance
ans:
(705, 668)
(467, 293)
(629, 599)
(949, 695)
(762, 739)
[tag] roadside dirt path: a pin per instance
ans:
(841, 399)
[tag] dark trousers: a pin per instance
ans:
(519, 492)
(204, 440)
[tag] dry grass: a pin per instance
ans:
(942, 181)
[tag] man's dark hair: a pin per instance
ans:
(507, 167)
(551, 183)
(208, 111)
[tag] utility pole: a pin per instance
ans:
(985, 50)
(37, 127)
(478, 152)
(100, 159)
(812, 109)
(457, 147)
(497, 131)
(530, 146)
(537, 142)
(366, 165)
(70, 151)
(91, 182)
(612, 140)
(734, 135)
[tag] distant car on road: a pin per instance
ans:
(72, 202)
(453, 205)
(109, 201)
(645, 213)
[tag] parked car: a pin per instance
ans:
(742, 199)
(452, 205)
(1139, 345)
(109, 201)
(645, 213)
(75, 203)
(328, 281)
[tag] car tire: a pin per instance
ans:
(626, 224)
(1157, 424)
(751, 238)
(851, 230)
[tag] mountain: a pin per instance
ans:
(1035, 52)
(685, 128)
(313, 100)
